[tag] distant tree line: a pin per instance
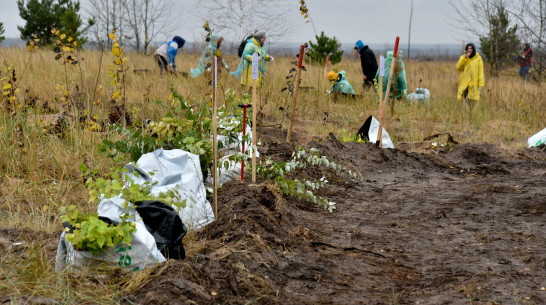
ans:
(501, 25)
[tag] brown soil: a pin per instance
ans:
(459, 224)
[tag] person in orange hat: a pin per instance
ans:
(340, 83)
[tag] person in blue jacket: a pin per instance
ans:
(166, 53)
(340, 83)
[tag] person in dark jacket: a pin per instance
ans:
(368, 62)
(525, 62)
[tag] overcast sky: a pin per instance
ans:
(377, 21)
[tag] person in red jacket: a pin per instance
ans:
(525, 62)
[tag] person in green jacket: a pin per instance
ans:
(244, 71)
(399, 87)
(212, 49)
(471, 80)
(340, 83)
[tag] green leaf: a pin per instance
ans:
(117, 186)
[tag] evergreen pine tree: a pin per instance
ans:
(324, 46)
(2, 37)
(501, 41)
(42, 16)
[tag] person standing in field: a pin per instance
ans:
(525, 62)
(471, 80)
(166, 53)
(340, 83)
(212, 49)
(368, 63)
(244, 71)
(399, 86)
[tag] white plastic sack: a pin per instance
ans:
(374, 130)
(172, 170)
(141, 254)
(420, 95)
(176, 170)
(537, 139)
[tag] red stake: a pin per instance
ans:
(326, 66)
(244, 106)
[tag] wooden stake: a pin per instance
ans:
(388, 85)
(381, 73)
(295, 96)
(214, 141)
(255, 75)
(395, 78)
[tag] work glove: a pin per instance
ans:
(271, 58)
(227, 68)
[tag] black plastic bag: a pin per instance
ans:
(162, 221)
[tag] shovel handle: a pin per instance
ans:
(396, 46)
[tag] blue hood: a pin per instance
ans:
(179, 41)
(360, 45)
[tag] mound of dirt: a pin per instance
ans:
(443, 227)
(17, 240)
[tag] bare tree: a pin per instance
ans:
(531, 16)
(409, 30)
(138, 22)
(471, 16)
(238, 18)
(147, 19)
(132, 10)
(109, 16)
(488, 20)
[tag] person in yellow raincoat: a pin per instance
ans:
(244, 71)
(471, 80)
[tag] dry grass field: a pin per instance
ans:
(39, 171)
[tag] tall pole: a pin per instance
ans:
(295, 95)
(409, 30)
(214, 141)
(255, 75)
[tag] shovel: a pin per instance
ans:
(244, 106)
